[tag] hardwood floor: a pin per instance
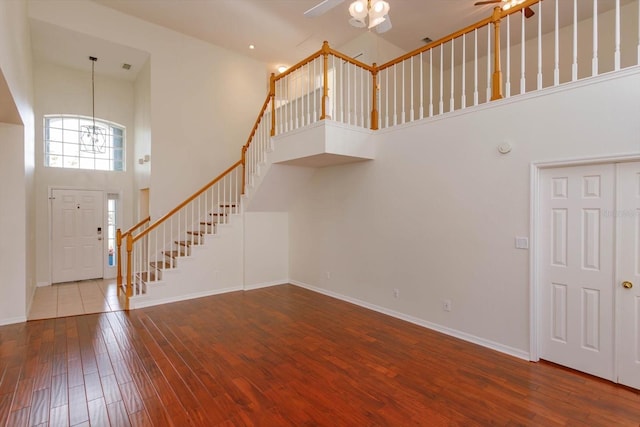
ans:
(281, 356)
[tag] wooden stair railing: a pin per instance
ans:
(119, 237)
(292, 102)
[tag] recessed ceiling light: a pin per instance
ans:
(251, 46)
(282, 68)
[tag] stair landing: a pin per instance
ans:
(324, 143)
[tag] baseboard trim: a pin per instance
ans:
(43, 284)
(266, 284)
(13, 320)
(520, 354)
(152, 302)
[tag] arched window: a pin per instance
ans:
(77, 142)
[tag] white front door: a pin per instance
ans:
(77, 235)
(590, 269)
(577, 268)
(628, 254)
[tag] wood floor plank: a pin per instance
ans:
(39, 407)
(118, 414)
(59, 391)
(22, 397)
(98, 415)
(93, 386)
(282, 356)
(78, 412)
(19, 418)
(59, 416)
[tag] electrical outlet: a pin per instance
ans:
(396, 293)
(446, 305)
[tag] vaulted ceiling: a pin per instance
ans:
(282, 35)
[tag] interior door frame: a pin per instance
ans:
(50, 190)
(535, 298)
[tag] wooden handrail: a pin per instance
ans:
(493, 18)
(497, 15)
(186, 202)
(350, 60)
(433, 44)
(138, 225)
(258, 120)
(299, 65)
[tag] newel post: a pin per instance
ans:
(497, 72)
(325, 80)
(272, 94)
(374, 110)
(129, 267)
(244, 167)
(119, 259)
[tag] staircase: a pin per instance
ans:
(325, 111)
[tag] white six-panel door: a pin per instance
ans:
(589, 267)
(628, 266)
(77, 244)
(577, 268)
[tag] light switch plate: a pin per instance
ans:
(522, 243)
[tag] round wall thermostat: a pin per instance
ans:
(504, 148)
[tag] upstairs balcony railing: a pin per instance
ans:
(504, 55)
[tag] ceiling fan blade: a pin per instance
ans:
(480, 3)
(322, 7)
(528, 12)
(384, 26)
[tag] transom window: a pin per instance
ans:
(77, 142)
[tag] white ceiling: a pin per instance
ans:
(283, 36)
(280, 32)
(60, 46)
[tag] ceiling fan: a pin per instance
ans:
(376, 12)
(508, 4)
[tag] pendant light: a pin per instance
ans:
(93, 138)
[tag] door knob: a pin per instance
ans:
(627, 285)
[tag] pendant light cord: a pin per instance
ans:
(93, 92)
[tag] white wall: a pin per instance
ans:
(61, 90)
(435, 215)
(142, 120)
(371, 48)
(17, 281)
(266, 248)
(204, 98)
(13, 298)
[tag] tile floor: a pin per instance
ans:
(73, 298)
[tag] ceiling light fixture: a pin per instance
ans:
(511, 3)
(93, 138)
(251, 47)
(376, 11)
(282, 69)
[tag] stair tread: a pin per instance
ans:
(147, 276)
(196, 232)
(174, 254)
(218, 214)
(160, 264)
(209, 223)
(187, 243)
